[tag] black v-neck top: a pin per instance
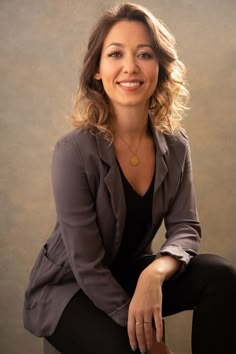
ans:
(138, 219)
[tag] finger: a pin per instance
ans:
(132, 332)
(140, 336)
(158, 325)
(148, 333)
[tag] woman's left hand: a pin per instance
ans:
(145, 307)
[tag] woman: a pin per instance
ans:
(96, 286)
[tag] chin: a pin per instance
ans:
(132, 104)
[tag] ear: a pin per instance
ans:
(97, 76)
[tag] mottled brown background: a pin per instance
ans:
(41, 46)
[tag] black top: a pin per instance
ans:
(138, 219)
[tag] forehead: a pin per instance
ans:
(128, 32)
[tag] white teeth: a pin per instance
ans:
(130, 84)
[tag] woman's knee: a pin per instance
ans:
(217, 268)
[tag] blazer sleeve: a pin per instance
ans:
(76, 214)
(183, 231)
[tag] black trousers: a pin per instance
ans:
(208, 287)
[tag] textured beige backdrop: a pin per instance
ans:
(41, 46)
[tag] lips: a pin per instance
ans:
(131, 84)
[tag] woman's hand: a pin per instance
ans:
(146, 304)
(146, 307)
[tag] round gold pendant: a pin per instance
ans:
(134, 160)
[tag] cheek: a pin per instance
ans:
(151, 71)
(108, 70)
(107, 81)
(155, 71)
(154, 75)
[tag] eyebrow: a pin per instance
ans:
(122, 45)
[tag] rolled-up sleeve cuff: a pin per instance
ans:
(120, 315)
(179, 254)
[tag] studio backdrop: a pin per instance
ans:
(42, 44)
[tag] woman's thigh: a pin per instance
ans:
(208, 287)
(207, 278)
(84, 329)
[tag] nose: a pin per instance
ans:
(130, 65)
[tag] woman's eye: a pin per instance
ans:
(115, 54)
(145, 55)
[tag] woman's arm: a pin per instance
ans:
(76, 212)
(183, 230)
(183, 235)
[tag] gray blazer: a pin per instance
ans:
(91, 211)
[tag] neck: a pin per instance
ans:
(130, 123)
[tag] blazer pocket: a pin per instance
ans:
(44, 273)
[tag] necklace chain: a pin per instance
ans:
(134, 160)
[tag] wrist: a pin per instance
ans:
(156, 273)
(163, 268)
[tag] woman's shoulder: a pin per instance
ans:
(179, 139)
(75, 143)
(178, 142)
(82, 144)
(77, 136)
(175, 147)
(80, 140)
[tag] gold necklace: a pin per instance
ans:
(134, 160)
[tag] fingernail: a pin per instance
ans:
(134, 348)
(158, 340)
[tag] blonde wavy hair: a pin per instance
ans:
(168, 101)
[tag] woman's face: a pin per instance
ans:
(128, 66)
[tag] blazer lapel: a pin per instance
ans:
(161, 170)
(114, 186)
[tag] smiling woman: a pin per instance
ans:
(167, 101)
(96, 286)
(128, 66)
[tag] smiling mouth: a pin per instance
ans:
(130, 83)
